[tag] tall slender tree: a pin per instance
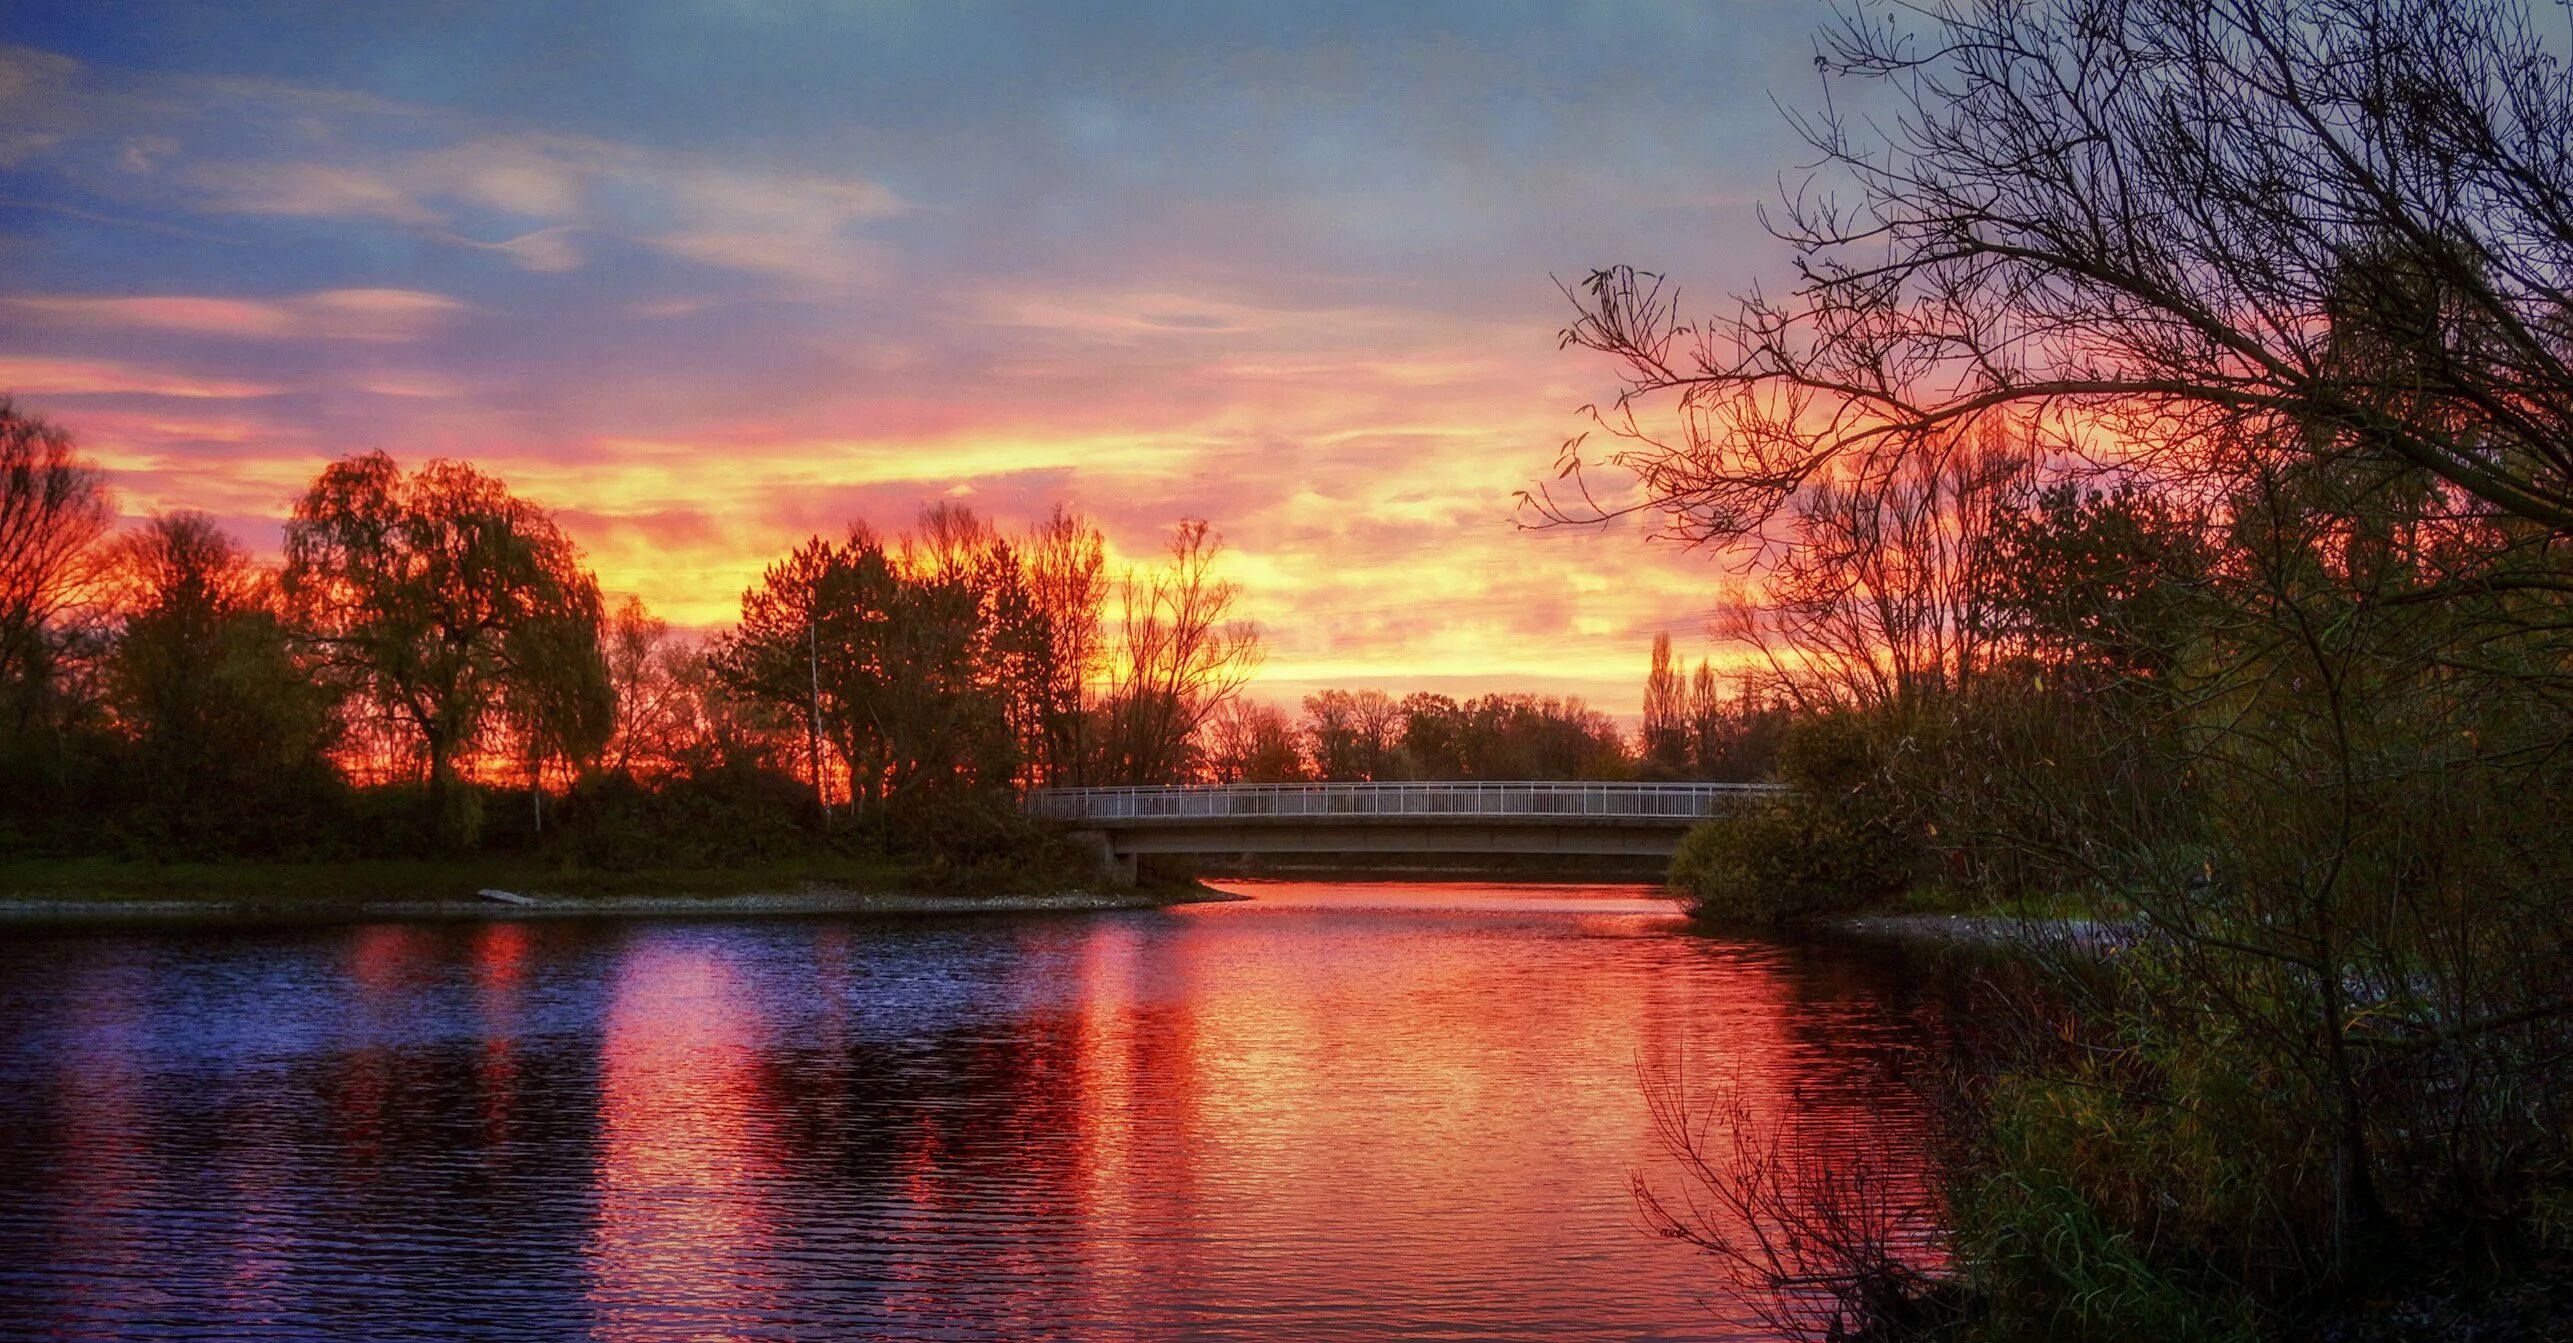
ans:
(1666, 740)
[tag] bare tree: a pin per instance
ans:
(1179, 657)
(53, 510)
(2300, 272)
(1819, 1240)
(1666, 738)
(649, 669)
(1879, 596)
(1248, 741)
(2138, 221)
(1354, 734)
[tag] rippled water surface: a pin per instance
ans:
(1333, 1111)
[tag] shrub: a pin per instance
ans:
(2135, 1165)
(979, 838)
(397, 820)
(722, 816)
(2042, 1263)
(1837, 839)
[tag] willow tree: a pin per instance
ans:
(441, 598)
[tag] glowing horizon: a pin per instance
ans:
(1289, 273)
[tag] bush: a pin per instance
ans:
(2137, 1164)
(724, 816)
(979, 838)
(1839, 838)
(2042, 1263)
(395, 820)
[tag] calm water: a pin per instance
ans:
(1333, 1112)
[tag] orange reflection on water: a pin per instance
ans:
(1421, 1123)
(681, 1237)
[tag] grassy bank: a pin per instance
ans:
(109, 889)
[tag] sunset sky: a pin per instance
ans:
(710, 277)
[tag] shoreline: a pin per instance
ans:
(1982, 930)
(33, 905)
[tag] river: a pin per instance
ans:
(1333, 1111)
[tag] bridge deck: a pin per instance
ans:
(1553, 802)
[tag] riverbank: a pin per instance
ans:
(104, 891)
(1987, 930)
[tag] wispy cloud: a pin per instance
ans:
(332, 314)
(321, 190)
(793, 225)
(545, 249)
(96, 377)
(267, 148)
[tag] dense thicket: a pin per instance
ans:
(2161, 463)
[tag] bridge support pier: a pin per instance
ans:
(1116, 870)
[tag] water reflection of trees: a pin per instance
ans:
(1806, 1176)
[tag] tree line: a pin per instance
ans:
(2154, 492)
(1700, 732)
(431, 646)
(430, 668)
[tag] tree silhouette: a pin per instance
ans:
(2141, 221)
(441, 597)
(53, 510)
(227, 727)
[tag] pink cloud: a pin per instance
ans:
(92, 377)
(332, 314)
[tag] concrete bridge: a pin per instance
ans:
(1632, 820)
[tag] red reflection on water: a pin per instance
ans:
(1134, 1086)
(1424, 1126)
(1334, 1112)
(383, 966)
(681, 1237)
(499, 959)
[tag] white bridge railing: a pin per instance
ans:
(1543, 800)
